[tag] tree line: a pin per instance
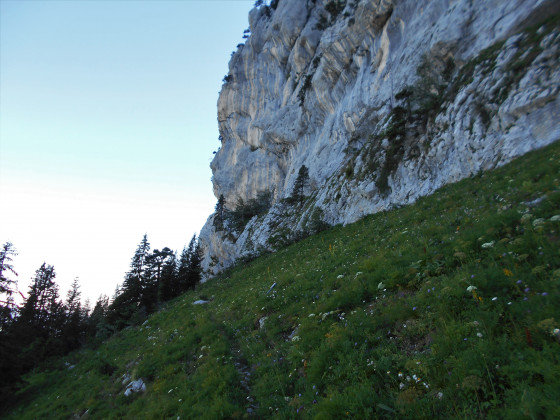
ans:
(46, 325)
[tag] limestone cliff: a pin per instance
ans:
(382, 100)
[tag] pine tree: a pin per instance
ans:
(219, 213)
(156, 261)
(75, 326)
(298, 193)
(39, 326)
(9, 350)
(168, 287)
(190, 268)
(128, 298)
(6, 284)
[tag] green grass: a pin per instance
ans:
(370, 320)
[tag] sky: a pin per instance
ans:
(108, 121)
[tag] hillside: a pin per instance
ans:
(444, 308)
(383, 101)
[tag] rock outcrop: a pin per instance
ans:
(382, 100)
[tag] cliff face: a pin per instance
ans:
(382, 100)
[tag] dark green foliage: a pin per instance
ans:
(236, 220)
(395, 133)
(369, 320)
(304, 88)
(7, 285)
(219, 213)
(189, 270)
(335, 7)
(298, 191)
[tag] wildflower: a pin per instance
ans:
(494, 298)
(488, 245)
(479, 334)
(440, 395)
(555, 218)
(401, 385)
(538, 222)
(414, 308)
(526, 290)
(311, 315)
(340, 276)
(544, 294)
(508, 272)
(380, 286)
(471, 288)
(518, 282)
(526, 217)
(296, 338)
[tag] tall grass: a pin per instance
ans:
(446, 308)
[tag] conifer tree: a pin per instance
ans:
(7, 285)
(128, 299)
(75, 325)
(155, 261)
(219, 213)
(298, 193)
(41, 321)
(190, 269)
(168, 287)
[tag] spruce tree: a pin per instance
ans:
(155, 262)
(190, 266)
(128, 299)
(168, 287)
(298, 193)
(219, 213)
(75, 325)
(7, 285)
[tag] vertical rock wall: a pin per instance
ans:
(317, 84)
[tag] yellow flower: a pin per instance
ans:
(508, 272)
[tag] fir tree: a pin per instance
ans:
(219, 213)
(128, 299)
(168, 287)
(298, 193)
(75, 325)
(190, 269)
(7, 285)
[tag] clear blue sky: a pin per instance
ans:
(108, 122)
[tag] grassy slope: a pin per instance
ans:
(384, 324)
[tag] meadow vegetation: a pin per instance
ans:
(446, 308)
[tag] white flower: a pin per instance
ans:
(495, 298)
(380, 285)
(296, 338)
(479, 335)
(340, 276)
(440, 395)
(526, 217)
(471, 288)
(311, 315)
(488, 244)
(555, 218)
(538, 222)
